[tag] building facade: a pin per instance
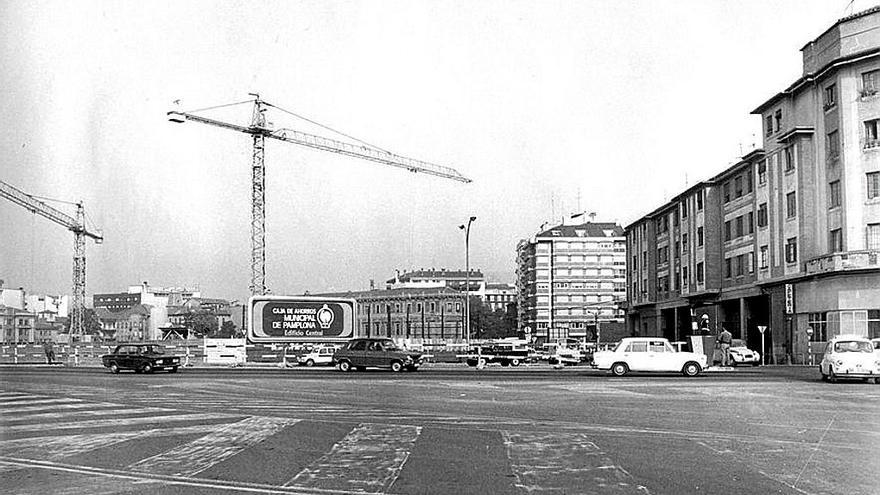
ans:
(17, 326)
(787, 239)
(433, 313)
(570, 278)
(426, 278)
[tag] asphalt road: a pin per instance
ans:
(444, 429)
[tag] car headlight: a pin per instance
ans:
(839, 362)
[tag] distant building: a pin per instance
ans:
(435, 313)
(16, 325)
(497, 296)
(788, 238)
(424, 278)
(570, 278)
(145, 294)
(13, 298)
(132, 324)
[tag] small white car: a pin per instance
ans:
(876, 344)
(850, 356)
(740, 354)
(319, 356)
(648, 354)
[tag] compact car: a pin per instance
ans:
(142, 358)
(361, 354)
(741, 354)
(850, 356)
(648, 354)
(317, 356)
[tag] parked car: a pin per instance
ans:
(361, 354)
(740, 354)
(142, 358)
(317, 356)
(648, 354)
(850, 356)
(876, 344)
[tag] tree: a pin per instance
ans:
(487, 323)
(227, 331)
(201, 323)
(91, 323)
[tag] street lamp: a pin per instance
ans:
(467, 279)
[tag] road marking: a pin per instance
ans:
(111, 410)
(558, 462)
(55, 448)
(50, 407)
(369, 459)
(11, 406)
(212, 485)
(117, 422)
(225, 441)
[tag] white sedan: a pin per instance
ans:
(648, 354)
(850, 356)
(321, 356)
(740, 354)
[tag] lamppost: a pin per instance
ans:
(467, 280)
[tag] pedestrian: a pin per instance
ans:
(49, 350)
(724, 339)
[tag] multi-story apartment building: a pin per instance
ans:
(17, 326)
(789, 237)
(571, 278)
(431, 313)
(496, 295)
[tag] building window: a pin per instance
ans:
(684, 243)
(747, 180)
(788, 158)
(791, 205)
(778, 117)
(740, 226)
(738, 187)
(684, 277)
(700, 273)
(684, 209)
(873, 236)
(762, 172)
(791, 250)
(830, 97)
(873, 179)
(834, 194)
(699, 200)
(699, 236)
(764, 254)
(835, 241)
(832, 143)
(870, 82)
(726, 189)
(819, 324)
(872, 133)
(727, 230)
(762, 215)
(728, 270)
(768, 125)
(750, 223)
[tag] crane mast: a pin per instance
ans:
(259, 130)
(76, 225)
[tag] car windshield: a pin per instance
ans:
(853, 346)
(737, 343)
(153, 350)
(617, 346)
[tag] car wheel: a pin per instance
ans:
(691, 369)
(147, 368)
(831, 376)
(344, 366)
(619, 369)
(514, 362)
(396, 366)
(824, 376)
(310, 362)
(114, 368)
(505, 363)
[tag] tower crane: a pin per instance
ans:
(260, 129)
(76, 225)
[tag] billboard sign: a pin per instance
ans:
(300, 319)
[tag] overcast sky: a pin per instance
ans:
(550, 107)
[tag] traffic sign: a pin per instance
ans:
(762, 329)
(300, 319)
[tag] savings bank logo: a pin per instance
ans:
(325, 317)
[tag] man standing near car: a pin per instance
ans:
(724, 338)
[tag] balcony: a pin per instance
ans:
(841, 262)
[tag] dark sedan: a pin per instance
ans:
(142, 358)
(361, 354)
